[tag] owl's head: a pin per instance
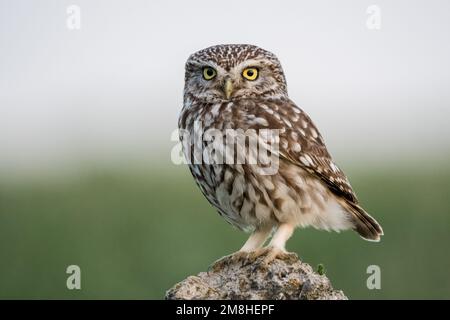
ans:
(234, 71)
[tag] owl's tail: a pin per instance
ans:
(367, 227)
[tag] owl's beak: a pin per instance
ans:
(228, 88)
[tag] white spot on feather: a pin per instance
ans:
(268, 184)
(215, 110)
(308, 158)
(261, 121)
(287, 122)
(334, 167)
(304, 161)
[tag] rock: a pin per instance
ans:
(245, 278)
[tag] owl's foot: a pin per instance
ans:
(235, 257)
(268, 254)
(264, 256)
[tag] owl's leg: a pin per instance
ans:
(256, 239)
(283, 233)
(276, 247)
(254, 242)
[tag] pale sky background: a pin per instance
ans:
(112, 91)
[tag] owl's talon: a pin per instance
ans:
(240, 256)
(265, 256)
(230, 259)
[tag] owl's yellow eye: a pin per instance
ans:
(250, 73)
(209, 73)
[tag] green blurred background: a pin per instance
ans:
(135, 233)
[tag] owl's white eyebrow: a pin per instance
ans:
(249, 63)
(202, 64)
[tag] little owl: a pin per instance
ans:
(243, 87)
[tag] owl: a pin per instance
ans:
(242, 88)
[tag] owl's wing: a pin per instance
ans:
(302, 145)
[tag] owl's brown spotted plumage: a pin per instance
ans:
(243, 87)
